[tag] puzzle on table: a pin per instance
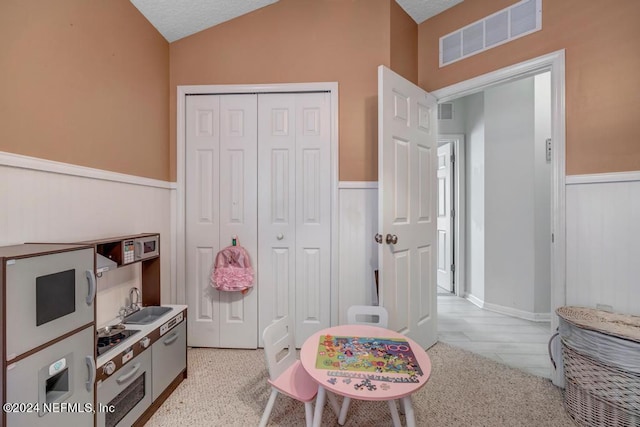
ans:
(364, 354)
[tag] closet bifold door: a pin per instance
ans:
(221, 201)
(238, 313)
(202, 221)
(294, 205)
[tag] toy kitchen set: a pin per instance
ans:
(58, 367)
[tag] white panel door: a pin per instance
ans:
(221, 193)
(445, 240)
(277, 207)
(313, 214)
(202, 217)
(407, 157)
(295, 210)
(238, 313)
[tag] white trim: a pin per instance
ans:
(501, 76)
(174, 240)
(182, 92)
(358, 185)
(335, 202)
(258, 88)
(474, 300)
(508, 311)
(554, 62)
(459, 228)
(43, 165)
(597, 178)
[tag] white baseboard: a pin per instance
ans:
(513, 312)
(474, 300)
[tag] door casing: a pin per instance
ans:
(459, 197)
(555, 63)
(178, 239)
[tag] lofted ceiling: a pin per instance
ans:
(175, 19)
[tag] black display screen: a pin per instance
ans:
(55, 296)
(149, 246)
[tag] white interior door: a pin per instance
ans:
(276, 202)
(407, 158)
(445, 218)
(238, 312)
(221, 194)
(295, 210)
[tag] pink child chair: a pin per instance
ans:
(286, 374)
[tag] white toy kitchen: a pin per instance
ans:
(59, 366)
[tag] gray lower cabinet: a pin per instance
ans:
(127, 393)
(169, 358)
(54, 385)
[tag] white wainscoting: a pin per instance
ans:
(358, 259)
(45, 201)
(603, 241)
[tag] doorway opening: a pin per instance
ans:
(510, 260)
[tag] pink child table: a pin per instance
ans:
(367, 363)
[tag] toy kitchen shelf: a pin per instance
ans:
(115, 252)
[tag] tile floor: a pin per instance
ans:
(515, 342)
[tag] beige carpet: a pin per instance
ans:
(229, 388)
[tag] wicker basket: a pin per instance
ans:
(599, 395)
(599, 392)
(587, 410)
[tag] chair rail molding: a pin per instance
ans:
(43, 165)
(603, 177)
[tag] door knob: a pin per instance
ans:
(378, 238)
(392, 239)
(280, 236)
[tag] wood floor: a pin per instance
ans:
(515, 342)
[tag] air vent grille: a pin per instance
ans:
(518, 20)
(445, 111)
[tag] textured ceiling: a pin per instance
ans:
(175, 19)
(421, 10)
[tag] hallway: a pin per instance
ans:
(518, 343)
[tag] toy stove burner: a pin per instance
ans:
(109, 339)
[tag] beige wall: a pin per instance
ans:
(92, 83)
(404, 43)
(84, 82)
(602, 44)
(302, 41)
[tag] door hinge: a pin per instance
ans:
(453, 213)
(453, 267)
(453, 158)
(548, 148)
(552, 238)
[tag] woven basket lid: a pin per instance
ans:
(619, 325)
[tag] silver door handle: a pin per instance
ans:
(378, 238)
(171, 339)
(91, 279)
(127, 377)
(91, 365)
(280, 236)
(392, 239)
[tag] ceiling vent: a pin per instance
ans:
(518, 20)
(445, 111)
